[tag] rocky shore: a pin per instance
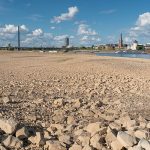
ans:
(73, 102)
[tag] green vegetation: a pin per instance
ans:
(140, 48)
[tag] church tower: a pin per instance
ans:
(120, 41)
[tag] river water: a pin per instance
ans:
(126, 54)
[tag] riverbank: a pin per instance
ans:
(72, 90)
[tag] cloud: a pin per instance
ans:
(90, 39)
(37, 32)
(10, 28)
(143, 20)
(8, 33)
(141, 28)
(43, 39)
(110, 11)
(128, 39)
(87, 35)
(60, 37)
(72, 11)
(84, 29)
(35, 38)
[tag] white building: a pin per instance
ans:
(134, 45)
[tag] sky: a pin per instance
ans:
(85, 22)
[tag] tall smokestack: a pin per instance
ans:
(18, 37)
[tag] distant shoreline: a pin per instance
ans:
(77, 51)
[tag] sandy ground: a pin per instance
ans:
(70, 71)
(34, 80)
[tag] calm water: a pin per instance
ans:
(126, 54)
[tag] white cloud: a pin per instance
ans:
(144, 19)
(37, 32)
(10, 28)
(84, 29)
(36, 41)
(90, 39)
(72, 11)
(84, 38)
(24, 28)
(60, 37)
(87, 36)
(141, 29)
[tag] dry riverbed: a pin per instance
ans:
(73, 102)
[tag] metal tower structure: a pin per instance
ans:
(18, 38)
(121, 41)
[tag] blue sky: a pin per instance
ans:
(86, 22)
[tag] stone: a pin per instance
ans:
(8, 126)
(38, 139)
(124, 120)
(130, 132)
(87, 113)
(22, 133)
(47, 135)
(58, 118)
(125, 139)
(148, 125)
(54, 145)
(94, 141)
(31, 117)
(2, 147)
(130, 123)
(55, 128)
(111, 135)
(87, 147)
(6, 100)
(75, 147)
(70, 120)
(135, 148)
(65, 139)
(69, 128)
(115, 125)
(12, 142)
(93, 128)
(38, 101)
(85, 140)
(58, 102)
(140, 134)
(102, 131)
(77, 103)
(144, 144)
(78, 132)
(142, 125)
(116, 145)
